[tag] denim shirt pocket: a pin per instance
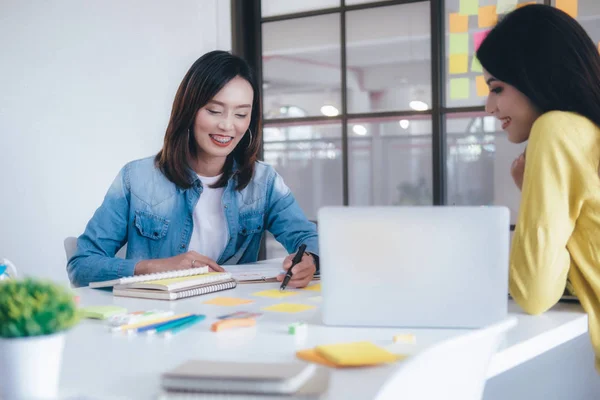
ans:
(251, 226)
(251, 223)
(150, 225)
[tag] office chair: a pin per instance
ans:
(455, 369)
(70, 244)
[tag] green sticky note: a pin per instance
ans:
(476, 65)
(459, 43)
(459, 88)
(505, 6)
(101, 312)
(469, 7)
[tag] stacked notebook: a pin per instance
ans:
(171, 285)
(231, 380)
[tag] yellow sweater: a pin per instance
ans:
(558, 229)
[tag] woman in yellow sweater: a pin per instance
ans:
(543, 72)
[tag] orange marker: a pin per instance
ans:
(232, 323)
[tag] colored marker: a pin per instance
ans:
(130, 327)
(185, 325)
(173, 324)
(232, 323)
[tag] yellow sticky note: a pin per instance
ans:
(356, 354)
(228, 301)
(458, 23)
(459, 64)
(311, 355)
(468, 7)
(459, 88)
(505, 6)
(314, 288)
(275, 293)
(288, 308)
(476, 65)
(568, 6)
(459, 43)
(487, 17)
(406, 338)
(482, 87)
(525, 4)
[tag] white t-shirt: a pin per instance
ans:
(211, 233)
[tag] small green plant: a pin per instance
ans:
(31, 307)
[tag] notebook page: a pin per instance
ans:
(261, 270)
(168, 281)
(182, 282)
(153, 276)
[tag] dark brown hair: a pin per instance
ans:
(548, 57)
(206, 77)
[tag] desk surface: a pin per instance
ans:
(101, 365)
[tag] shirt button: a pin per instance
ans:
(155, 233)
(183, 246)
(225, 205)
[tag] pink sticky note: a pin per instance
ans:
(478, 38)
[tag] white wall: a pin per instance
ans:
(85, 87)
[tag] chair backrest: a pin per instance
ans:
(455, 369)
(71, 247)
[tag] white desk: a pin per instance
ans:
(100, 365)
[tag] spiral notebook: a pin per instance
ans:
(150, 277)
(198, 290)
(197, 379)
(182, 282)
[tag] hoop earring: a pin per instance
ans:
(250, 142)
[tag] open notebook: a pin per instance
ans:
(177, 288)
(261, 271)
(150, 277)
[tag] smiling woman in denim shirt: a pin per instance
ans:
(204, 199)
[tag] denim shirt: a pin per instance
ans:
(153, 216)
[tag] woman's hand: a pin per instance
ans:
(303, 272)
(191, 259)
(517, 169)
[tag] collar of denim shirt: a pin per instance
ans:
(193, 176)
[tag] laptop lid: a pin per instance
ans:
(444, 267)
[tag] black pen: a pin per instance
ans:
(297, 258)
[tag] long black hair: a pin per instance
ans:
(205, 78)
(549, 57)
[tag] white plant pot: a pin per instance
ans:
(30, 366)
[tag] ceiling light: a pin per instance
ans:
(404, 123)
(418, 105)
(359, 130)
(329, 110)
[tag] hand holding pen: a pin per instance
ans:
(300, 269)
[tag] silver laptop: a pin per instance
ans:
(420, 267)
